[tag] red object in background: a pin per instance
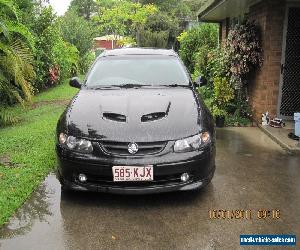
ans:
(107, 42)
(54, 74)
(101, 44)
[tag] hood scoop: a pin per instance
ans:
(114, 117)
(155, 115)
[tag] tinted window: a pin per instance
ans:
(154, 70)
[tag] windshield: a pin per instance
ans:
(137, 70)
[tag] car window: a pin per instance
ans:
(153, 70)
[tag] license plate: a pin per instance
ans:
(132, 173)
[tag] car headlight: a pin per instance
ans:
(192, 143)
(71, 142)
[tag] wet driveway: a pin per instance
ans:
(252, 173)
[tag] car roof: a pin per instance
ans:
(138, 51)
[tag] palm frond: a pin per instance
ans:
(19, 29)
(4, 30)
(8, 5)
(6, 117)
(17, 69)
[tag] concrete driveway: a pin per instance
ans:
(252, 173)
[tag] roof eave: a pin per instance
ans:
(207, 7)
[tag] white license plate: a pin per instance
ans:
(132, 173)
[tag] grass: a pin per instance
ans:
(27, 152)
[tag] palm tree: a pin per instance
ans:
(16, 70)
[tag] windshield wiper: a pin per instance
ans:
(104, 87)
(174, 85)
(131, 85)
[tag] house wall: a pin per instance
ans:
(106, 44)
(264, 89)
(264, 86)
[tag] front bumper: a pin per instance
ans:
(200, 165)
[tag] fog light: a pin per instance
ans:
(82, 178)
(185, 177)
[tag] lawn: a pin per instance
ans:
(27, 151)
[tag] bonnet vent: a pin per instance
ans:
(156, 115)
(114, 117)
(153, 116)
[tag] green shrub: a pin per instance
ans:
(155, 39)
(77, 31)
(201, 62)
(86, 61)
(218, 64)
(194, 40)
(232, 120)
(55, 58)
(223, 94)
(67, 57)
(207, 93)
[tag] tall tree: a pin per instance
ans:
(123, 18)
(77, 31)
(84, 8)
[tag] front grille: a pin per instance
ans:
(121, 148)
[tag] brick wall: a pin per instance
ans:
(264, 88)
(264, 85)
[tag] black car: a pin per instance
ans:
(136, 126)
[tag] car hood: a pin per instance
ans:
(138, 115)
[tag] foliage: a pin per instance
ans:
(173, 18)
(235, 60)
(86, 61)
(206, 93)
(218, 63)
(174, 8)
(223, 94)
(236, 121)
(127, 41)
(66, 56)
(244, 51)
(6, 117)
(29, 148)
(55, 59)
(77, 31)
(124, 18)
(156, 39)
(201, 62)
(218, 97)
(16, 70)
(240, 107)
(83, 8)
(218, 111)
(194, 40)
(98, 52)
(159, 31)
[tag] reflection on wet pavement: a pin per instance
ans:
(252, 173)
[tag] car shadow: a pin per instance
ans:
(88, 199)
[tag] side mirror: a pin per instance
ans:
(75, 82)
